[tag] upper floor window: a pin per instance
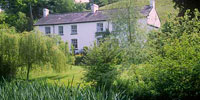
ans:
(99, 27)
(74, 42)
(47, 30)
(74, 29)
(60, 30)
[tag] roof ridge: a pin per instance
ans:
(78, 12)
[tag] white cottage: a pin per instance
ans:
(79, 28)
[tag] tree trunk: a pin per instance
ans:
(28, 71)
(129, 23)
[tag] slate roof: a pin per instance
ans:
(81, 17)
(146, 10)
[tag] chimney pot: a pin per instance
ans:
(45, 12)
(94, 8)
(153, 3)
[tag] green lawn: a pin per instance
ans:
(74, 73)
(163, 7)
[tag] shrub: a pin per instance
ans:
(8, 53)
(138, 85)
(79, 59)
(100, 61)
(176, 65)
(173, 72)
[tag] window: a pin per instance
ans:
(74, 29)
(99, 27)
(47, 30)
(60, 30)
(74, 42)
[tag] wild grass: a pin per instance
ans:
(41, 90)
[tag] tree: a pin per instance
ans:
(2, 18)
(100, 63)
(176, 65)
(30, 10)
(183, 5)
(55, 6)
(35, 48)
(8, 52)
(127, 31)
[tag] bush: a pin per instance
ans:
(7, 70)
(79, 59)
(8, 53)
(173, 72)
(100, 61)
(177, 64)
(138, 85)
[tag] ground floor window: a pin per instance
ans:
(74, 42)
(60, 30)
(99, 27)
(47, 30)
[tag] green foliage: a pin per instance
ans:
(19, 12)
(79, 59)
(55, 6)
(26, 49)
(178, 70)
(104, 2)
(2, 17)
(8, 54)
(21, 23)
(100, 61)
(183, 5)
(177, 62)
(173, 72)
(42, 90)
(103, 34)
(138, 84)
(36, 49)
(65, 49)
(63, 6)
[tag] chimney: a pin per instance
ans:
(94, 8)
(153, 3)
(45, 12)
(0, 9)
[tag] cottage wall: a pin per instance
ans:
(85, 32)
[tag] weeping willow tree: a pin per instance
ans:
(35, 48)
(8, 52)
(27, 49)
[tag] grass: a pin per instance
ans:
(74, 73)
(163, 7)
(40, 90)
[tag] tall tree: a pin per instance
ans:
(127, 31)
(183, 5)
